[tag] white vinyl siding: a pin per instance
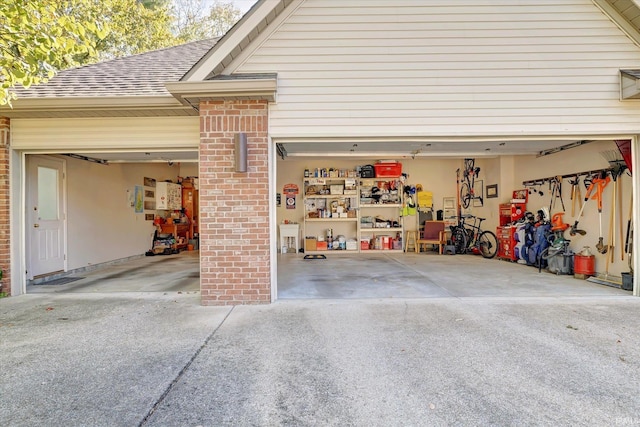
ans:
(108, 133)
(456, 68)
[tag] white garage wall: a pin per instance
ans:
(412, 67)
(101, 226)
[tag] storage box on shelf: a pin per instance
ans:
(330, 206)
(388, 169)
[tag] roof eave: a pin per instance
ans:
(95, 106)
(628, 28)
(191, 93)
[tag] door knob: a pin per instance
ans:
(36, 225)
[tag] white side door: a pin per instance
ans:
(45, 216)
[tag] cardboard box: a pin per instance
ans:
(310, 244)
(336, 189)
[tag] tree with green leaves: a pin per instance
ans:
(38, 37)
(195, 20)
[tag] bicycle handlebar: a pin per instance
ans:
(469, 216)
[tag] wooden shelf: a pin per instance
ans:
(382, 205)
(331, 219)
(329, 196)
(361, 203)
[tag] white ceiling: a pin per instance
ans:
(416, 149)
(358, 149)
(143, 156)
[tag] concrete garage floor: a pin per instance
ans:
(353, 276)
(424, 275)
(161, 273)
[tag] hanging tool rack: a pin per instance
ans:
(595, 172)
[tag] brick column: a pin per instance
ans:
(234, 207)
(5, 246)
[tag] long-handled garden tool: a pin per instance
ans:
(576, 195)
(617, 167)
(556, 192)
(627, 246)
(597, 185)
(600, 246)
(619, 208)
(611, 244)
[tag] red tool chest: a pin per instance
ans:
(506, 242)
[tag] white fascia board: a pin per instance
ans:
(622, 23)
(89, 103)
(221, 89)
(230, 41)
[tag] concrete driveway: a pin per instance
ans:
(161, 359)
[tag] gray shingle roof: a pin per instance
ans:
(137, 75)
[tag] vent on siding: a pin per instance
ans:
(629, 84)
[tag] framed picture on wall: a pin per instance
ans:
(492, 191)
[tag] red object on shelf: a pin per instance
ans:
(517, 211)
(388, 170)
(521, 195)
(505, 213)
(511, 212)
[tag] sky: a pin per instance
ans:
(243, 5)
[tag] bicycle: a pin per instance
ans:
(469, 175)
(470, 237)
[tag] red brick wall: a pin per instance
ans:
(234, 207)
(4, 205)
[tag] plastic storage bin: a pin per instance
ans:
(388, 170)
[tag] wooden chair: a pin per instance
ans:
(433, 233)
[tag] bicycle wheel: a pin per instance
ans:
(459, 240)
(488, 244)
(465, 195)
